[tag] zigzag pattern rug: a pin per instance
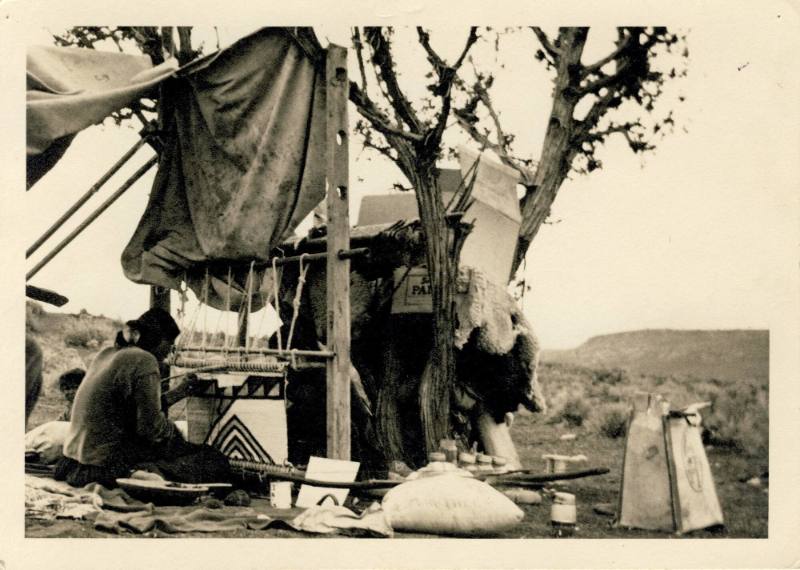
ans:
(245, 421)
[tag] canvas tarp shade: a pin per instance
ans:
(70, 89)
(243, 163)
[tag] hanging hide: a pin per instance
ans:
(498, 353)
(243, 164)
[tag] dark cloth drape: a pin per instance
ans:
(243, 164)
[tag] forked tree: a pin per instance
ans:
(619, 90)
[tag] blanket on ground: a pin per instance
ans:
(325, 519)
(113, 510)
(48, 499)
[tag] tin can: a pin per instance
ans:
(499, 464)
(563, 515)
(450, 449)
(436, 456)
(484, 463)
(280, 494)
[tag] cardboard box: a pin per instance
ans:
(495, 212)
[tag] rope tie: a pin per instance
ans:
(301, 279)
(250, 279)
(275, 287)
(204, 303)
(227, 311)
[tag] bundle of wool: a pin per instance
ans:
(497, 345)
(488, 307)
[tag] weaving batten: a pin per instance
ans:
(230, 365)
(273, 351)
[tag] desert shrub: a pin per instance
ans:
(612, 376)
(575, 411)
(739, 417)
(86, 333)
(614, 423)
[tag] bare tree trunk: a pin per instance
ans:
(437, 381)
(388, 424)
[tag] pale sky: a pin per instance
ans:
(681, 238)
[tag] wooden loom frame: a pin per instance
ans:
(337, 256)
(337, 355)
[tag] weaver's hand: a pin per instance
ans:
(190, 384)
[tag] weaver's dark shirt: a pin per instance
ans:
(117, 408)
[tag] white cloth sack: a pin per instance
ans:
(48, 441)
(450, 504)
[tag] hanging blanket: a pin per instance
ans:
(69, 89)
(243, 164)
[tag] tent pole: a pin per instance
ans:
(338, 269)
(83, 199)
(93, 216)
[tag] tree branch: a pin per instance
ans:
(439, 65)
(592, 118)
(605, 81)
(359, 46)
(622, 45)
(468, 122)
(547, 45)
(376, 117)
(446, 75)
(382, 57)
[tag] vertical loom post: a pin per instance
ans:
(160, 298)
(338, 270)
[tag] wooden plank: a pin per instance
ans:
(338, 270)
(45, 295)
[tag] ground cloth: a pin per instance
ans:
(325, 519)
(113, 510)
(46, 498)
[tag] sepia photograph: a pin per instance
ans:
(488, 278)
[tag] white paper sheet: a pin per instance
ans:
(323, 469)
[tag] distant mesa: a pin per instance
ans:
(722, 354)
